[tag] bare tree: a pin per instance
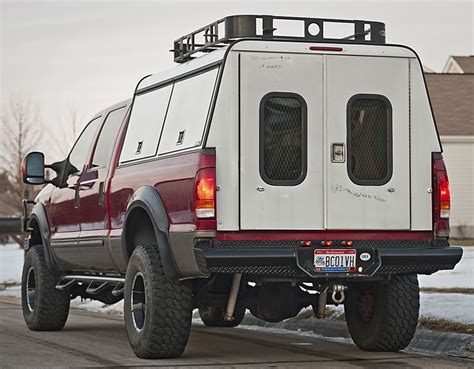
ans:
(69, 129)
(22, 131)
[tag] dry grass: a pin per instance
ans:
(446, 325)
(465, 290)
(461, 242)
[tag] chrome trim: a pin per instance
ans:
(94, 278)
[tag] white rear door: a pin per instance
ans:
(367, 143)
(281, 141)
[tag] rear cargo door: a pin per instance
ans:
(367, 143)
(281, 141)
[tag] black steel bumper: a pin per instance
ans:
(299, 262)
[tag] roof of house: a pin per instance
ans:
(466, 63)
(453, 104)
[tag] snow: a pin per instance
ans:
(451, 306)
(11, 263)
(461, 276)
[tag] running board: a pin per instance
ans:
(96, 284)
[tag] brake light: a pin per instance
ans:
(441, 197)
(205, 194)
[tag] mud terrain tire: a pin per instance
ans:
(159, 325)
(44, 307)
(383, 316)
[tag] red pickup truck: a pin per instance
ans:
(271, 174)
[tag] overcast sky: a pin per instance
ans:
(88, 55)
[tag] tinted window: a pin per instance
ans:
(146, 122)
(369, 139)
(107, 135)
(78, 155)
(283, 139)
(187, 113)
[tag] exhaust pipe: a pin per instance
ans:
(234, 292)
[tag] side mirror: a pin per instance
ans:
(32, 168)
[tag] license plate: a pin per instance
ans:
(335, 260)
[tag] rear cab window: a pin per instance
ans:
(107, 134)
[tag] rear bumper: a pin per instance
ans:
(299, 262)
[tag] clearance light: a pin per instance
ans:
(327, 243)
(325, 48)
(346, 243)
(205, 194)
(305, 243)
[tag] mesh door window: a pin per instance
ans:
(369, 139)
(283, 126)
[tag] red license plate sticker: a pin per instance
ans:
(335, 260)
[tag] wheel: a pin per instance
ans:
(157, 309)
(44, 307)
(383, 316)
(214, 317)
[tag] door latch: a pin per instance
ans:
(338, 154)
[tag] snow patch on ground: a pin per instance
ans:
(461, 276)
(11, 263)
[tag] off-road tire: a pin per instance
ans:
(48, 308)
(394, 317)
(214, 317)
(167, 309)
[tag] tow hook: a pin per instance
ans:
(338, 295)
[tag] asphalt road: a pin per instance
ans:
(99, 340)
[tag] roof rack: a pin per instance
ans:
(223, 31)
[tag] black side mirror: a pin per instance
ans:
(32, 168)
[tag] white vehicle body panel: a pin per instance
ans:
(367, 206)
(263, 205)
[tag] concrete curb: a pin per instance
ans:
(425, 341)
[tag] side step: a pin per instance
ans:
(96, 284)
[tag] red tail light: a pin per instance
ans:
(441, 197)
(205, 204)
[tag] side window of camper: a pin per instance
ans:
(188, 112)
(145, 124)
(283, 141)
(369, 139)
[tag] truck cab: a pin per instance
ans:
(267, 172)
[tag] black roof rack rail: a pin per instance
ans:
(225, 30)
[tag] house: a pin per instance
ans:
(459, 64)
(452, 99)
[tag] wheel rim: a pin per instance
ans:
(138, 302)
(31, 289)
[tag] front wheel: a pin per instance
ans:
(383, 316)
(44, 307)
(157, 309)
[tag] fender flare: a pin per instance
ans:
(38, 214)
(149, 200)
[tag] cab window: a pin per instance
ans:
(106, 137)
(78, 155)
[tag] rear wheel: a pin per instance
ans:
(44, 307)
(157, 308)
(383, 316)
(214, 317)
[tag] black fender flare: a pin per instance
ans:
(38, 215)
(149, 200)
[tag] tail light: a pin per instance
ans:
(441, 197)
(205, 197)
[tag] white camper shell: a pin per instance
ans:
(360, 150)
